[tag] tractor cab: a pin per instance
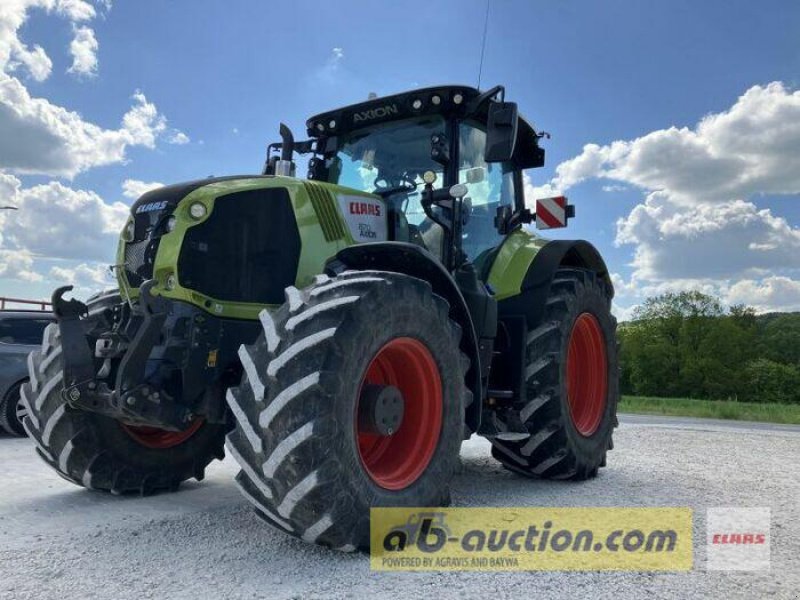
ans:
(412, 148)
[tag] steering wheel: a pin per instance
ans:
(387, 186)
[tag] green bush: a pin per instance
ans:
(770, 381)
(687, 345)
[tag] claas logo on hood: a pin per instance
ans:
(151, 206)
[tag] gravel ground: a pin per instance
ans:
(59, 541)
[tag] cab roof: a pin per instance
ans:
(447, 100)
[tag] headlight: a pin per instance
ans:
(198, 210)
(129, 231)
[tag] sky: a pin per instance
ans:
(675, 125)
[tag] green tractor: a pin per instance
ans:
(346, 331)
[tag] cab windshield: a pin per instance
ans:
(392, 156)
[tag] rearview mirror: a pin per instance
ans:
(501, 131)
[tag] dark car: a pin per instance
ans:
(20, 333)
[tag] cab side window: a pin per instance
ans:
(490, 185)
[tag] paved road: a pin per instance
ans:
(59, 541)
(692, 424)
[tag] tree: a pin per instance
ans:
(685, 344)
(780, 339)
(770, 381)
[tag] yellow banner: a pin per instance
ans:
(531, 539)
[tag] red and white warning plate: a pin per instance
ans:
(551, 212)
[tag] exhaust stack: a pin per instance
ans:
(285, 166)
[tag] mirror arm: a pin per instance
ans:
(489, 94)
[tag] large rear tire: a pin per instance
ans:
(571, 383)
(310, 466)
(100, 453)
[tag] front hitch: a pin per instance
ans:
(132, 400)
(75, 351)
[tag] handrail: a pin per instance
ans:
(43, 304)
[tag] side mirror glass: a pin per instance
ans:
(475, 175)
(501, 131)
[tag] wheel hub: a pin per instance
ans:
(21, 411)
(161, 439)
(587, 374)
(380, 409)
(403, 370)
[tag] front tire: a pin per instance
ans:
(309, 465)
(571, 383)
(100, 453)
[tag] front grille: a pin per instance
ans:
(139, 258)
(247, 250)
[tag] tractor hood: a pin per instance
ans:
(147, 224)
(153, 205)
(233, 244)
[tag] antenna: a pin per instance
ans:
(483, 43)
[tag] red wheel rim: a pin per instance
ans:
(587, 374)
(396, 461)
(160, 439)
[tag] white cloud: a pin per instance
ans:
(623, 313)
(15, 55)
(533, 192)
(178, 137)
(61, 234)
(18, 264)
(133, 188)
(83, 49)
(42, 138)
(74, 10)
(699, 226)
(712, 240)
(35, 60)
(38, 137)
(768, 294)
(753, 147)
(331, 72)
(94, 277)
(56, 221)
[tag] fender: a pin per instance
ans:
(524, 273)
(413, 260)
